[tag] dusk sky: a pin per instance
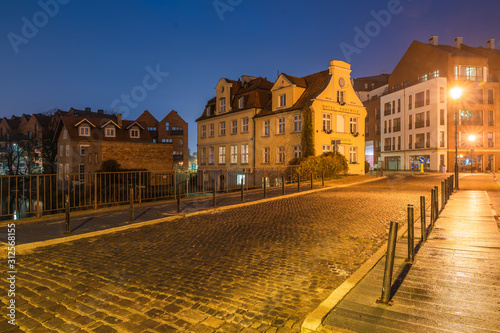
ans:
(91, 53)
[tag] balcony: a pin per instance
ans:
(419, 145)
(419, 124)
(387, 148)
(177, 132)
(387, 112)
(396, 128)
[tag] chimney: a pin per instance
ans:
(88, 109)
(458, 42)
(100, 111)
(433, 40)
(119, 119)
(490, 44)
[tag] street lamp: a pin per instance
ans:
(456, 93)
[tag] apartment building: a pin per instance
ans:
(265, 128)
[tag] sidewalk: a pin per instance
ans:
(51, 227)
(453, 286)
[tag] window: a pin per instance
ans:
(280, 158)
(166, 140)
(399, 105)
(181, 143)
(397, 125)
(353, 154)
(441, 139)
(67, 150)
(297, 151)
(234, 127)
(234, 154)
(244, 154)
(410, 119)
(491, 121)
(399, 143)
(428, 140)
(222, 104)
(66, 171)
(390, 125)
(84, 131)
(222, 128)
(61, 150)
(83, 148)
(266, 155)
(387, 109)
(491, 143)
(468, 73)
(340, 124)
(134, 133)
(419, 120)
(385, 126)
(427, 97)
(282, 101)
(327, 148)
(419, 140)
(423, 78)
(65, 134)
(211, 155)
(30, 135)
(297, 123)
(428, 119)
(419, 99)
(393, 107)
(393, 143)
(281, 125)
(471, 118)
(441, 94)
(167, 126)
(441, 117)
(109, 132)
(222, 155)
(410, 141)
(212, 130)
(367, 128)
(81, 170)
(152, 128)
(267, 128)
(491, 99)
(434, 74)
(203, 131)
(410, 102)
(203, 155)
(353, 125)
(244, 125)
(327, 122)
(241, 102)
(340, 96)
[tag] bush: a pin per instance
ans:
(332, 164)
(110, 166)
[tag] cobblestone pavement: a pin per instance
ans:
(259, 268)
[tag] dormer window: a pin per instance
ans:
(282, 101)
(241, 102)
(84, 131)
(222, 105)
(110, 132)
(134, 133)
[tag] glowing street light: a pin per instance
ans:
(472, 138)
(456, 93)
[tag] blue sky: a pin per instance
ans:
(91, 53)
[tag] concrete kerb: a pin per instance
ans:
(314, 320)
(28, 248)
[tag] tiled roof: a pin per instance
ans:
(299, 81)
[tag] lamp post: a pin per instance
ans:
(471, 139)
(456, 93)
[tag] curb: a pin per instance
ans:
(29, 247)
(314, 320)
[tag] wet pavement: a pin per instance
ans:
(454, 283)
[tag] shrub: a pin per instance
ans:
(110, 166)
(332, 164)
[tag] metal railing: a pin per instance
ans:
(36, 195)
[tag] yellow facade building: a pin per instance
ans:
(275, 120)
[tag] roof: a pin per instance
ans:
(315, 84)
(298, 81)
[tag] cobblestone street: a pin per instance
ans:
(259, 268)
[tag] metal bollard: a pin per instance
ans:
(282, 184)
(242, 191)
(422, 219)
(214, 190)
(68, 229)
(433, 211)
(265, 187)
(178, 199)
(323, 179)
(442, 194)
(411, 235)
(131, 218)
(298, 182)
(312, 180)
(436, 197)
(389, 264)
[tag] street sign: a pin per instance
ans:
(421, 159)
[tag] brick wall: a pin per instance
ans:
(147, 156)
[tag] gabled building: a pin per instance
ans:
(253, 123)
